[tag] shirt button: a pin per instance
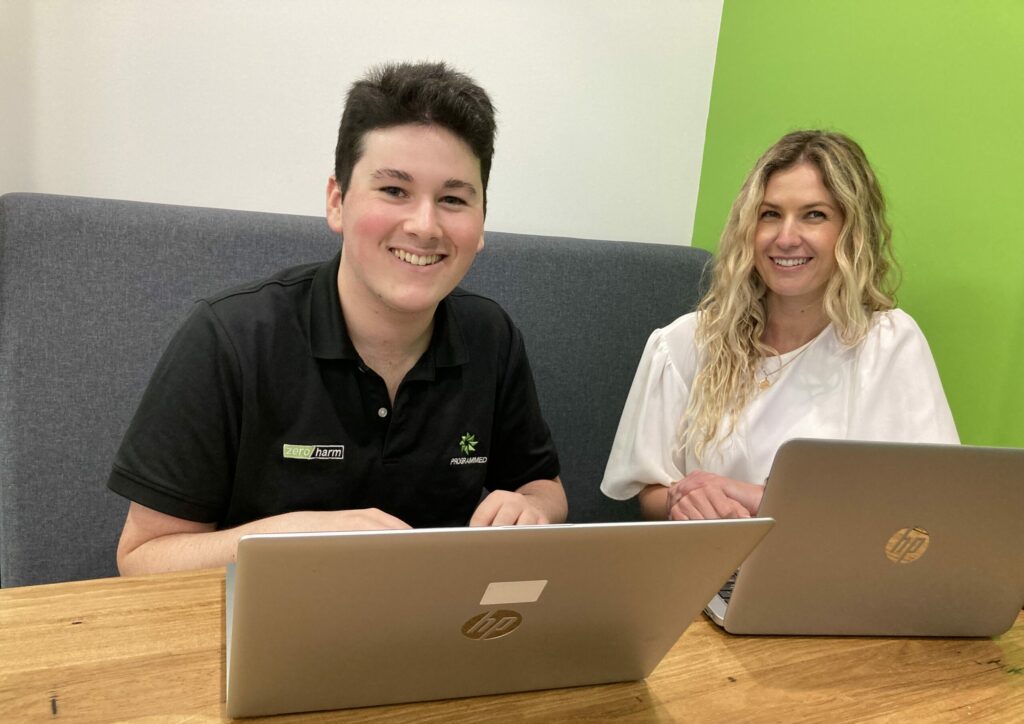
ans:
(382, 412)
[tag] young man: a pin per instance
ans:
(362, 393)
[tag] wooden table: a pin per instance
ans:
(152, 648)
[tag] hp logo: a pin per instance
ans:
(491, 625)
(907, 545)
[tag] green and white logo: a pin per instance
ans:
(468, 443)
(313, 452)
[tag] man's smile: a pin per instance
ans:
(416, 259)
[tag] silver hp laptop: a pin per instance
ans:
(885, 539)
(333, 620)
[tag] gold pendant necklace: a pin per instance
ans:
(766, 377)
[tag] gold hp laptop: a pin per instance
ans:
(333, 620)
(885, 539)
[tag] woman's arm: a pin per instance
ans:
(654, 502)
(707, 496)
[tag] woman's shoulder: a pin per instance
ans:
(893, 324)
(673, 348)
(676, 340)
(893, 334)
(682, 330)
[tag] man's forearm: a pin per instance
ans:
(181, 552)
(156, 543)
(190, 550)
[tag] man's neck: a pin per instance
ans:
(389, 342)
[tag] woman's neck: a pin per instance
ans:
(792, 323)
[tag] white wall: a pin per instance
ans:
(16, 113)
(602, 103)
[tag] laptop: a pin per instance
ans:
(885, 539)
(334, 620)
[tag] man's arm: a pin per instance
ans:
(154, 542)
(536, 503)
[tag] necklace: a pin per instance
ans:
(766, 376)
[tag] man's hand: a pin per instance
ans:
(706, 496)
(536, 503)
(333, 520)
(503, 507)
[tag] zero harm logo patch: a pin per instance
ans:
(313, 452)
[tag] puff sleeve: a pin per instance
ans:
(898, 395)
(645, 450)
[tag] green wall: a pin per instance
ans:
(934, 92)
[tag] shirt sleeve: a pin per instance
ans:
(643, 452)
(178, 454)
(525, 450)
(899, 395)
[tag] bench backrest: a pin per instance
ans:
(91, 291)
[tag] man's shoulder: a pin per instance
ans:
(473, 307)
(256, 309)
(291, 280)
(482, 323)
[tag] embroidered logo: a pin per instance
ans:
(313, 452)
(467, 445)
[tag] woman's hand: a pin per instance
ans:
(706, 496)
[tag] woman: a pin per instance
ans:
(798, 336)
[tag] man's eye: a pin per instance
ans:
(393, 191)
(455, 200)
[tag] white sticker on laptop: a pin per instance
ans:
(505, 592)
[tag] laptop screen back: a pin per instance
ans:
(333, 620)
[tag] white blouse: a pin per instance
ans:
(884, 388)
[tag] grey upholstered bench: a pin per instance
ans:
(91, 290)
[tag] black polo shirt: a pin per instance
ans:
(261, 405)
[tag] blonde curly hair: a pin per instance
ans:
(733, 317)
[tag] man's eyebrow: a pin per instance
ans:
(392, 173)
(454, 183)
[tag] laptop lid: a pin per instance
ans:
(889, 539)
(334, 620)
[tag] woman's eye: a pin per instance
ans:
(769, 214)
(816, 214)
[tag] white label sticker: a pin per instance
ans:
(505, 592)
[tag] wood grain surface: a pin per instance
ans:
(152, 649)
